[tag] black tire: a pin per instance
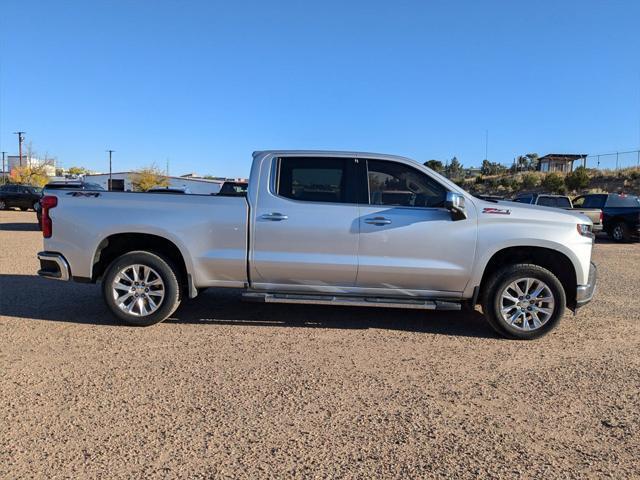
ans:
(491, 300)
(620, 232)
(24, 209)
(165, 270)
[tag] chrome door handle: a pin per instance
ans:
(275, 216)
(378, 221)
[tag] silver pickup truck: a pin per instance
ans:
(331, 228)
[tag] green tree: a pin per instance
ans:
(492, 168)
(578, 179)
(454, 170)
(553, 183)
(532, 161)
(75, 171)
(147, 178)
(435, 165)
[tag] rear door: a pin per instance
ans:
(305, 235)
(409, 244)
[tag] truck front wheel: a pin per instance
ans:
(141, 288)
(524, 301)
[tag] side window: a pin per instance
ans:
(392, 183)
(579, 202)
(526, 199)
(563, 202)
(312, 179)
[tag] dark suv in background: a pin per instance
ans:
(23, 197)
(620, 213)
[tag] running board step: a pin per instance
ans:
(351, 301)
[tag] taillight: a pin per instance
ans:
(47, 203)
(601, 216)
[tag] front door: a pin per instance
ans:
(409, 244)
(305, 229)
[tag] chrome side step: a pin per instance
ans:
(351, 301)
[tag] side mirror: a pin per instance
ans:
(455, 204)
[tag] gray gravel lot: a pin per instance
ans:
(240, 390)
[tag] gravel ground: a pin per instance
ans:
(240, 390)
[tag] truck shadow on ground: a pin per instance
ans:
(33, 298)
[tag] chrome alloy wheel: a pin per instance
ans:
(527, 304)
(138, 290)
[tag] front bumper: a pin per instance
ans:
(585, 293)
(53, 265)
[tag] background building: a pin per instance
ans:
(559, 162)
(122, 182)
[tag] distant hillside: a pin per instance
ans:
(580, 181)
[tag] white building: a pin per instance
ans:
(121, 181)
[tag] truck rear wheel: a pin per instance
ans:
(620, 232)
(524, 301)
(141, 288)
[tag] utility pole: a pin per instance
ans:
(20, 142)
(486, 144)
(4, 174)
(110, 179)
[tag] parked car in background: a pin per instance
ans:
(544, 200)
(620, 213)
(490, 198)
(328, 228)
(176, 190)
(562, 201)
(233, 189)
(73, 185)
(23, 197)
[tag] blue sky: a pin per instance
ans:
(204, 83)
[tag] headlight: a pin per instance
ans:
(584, 229)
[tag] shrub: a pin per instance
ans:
(529, 181)
(578, 179)
(553, 182)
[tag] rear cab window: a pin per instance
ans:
(314, 179)
(590, 201)
(622, 201)
(524, 199)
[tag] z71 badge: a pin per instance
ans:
(497, 211)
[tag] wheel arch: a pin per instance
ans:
(556, 262)
(114, 245)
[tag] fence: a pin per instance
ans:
(613, 161)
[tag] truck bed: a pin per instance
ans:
(210, 231)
